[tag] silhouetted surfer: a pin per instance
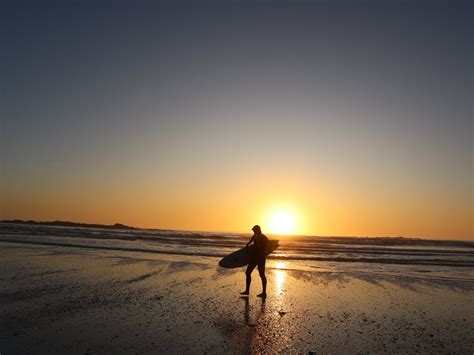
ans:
(257, 258)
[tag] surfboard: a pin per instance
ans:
(241, 257)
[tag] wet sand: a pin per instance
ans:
(72, 300)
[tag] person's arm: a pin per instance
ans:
(250, 241)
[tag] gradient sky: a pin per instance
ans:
(355, 115)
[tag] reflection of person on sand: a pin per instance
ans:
(257, 258)
(247, 309)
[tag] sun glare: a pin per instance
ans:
(281, 222)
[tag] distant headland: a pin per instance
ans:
(69, 224)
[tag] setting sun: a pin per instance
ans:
(281, 222)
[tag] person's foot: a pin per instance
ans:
(245, 293)
(263, 295)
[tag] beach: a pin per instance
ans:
(60, 299)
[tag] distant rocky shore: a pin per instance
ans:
(69, 224)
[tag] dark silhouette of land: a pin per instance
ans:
(69, 224)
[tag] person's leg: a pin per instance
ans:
(261, 271)
(248, 278)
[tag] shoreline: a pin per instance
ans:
(435, 262)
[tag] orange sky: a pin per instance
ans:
(320, 206)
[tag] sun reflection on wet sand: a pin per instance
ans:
(280, 276)
(280, 265)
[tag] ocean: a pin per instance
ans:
(302, 250)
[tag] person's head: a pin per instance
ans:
(256, 229)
